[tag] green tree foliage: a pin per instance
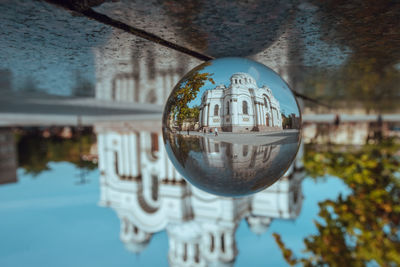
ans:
(183, 145)
(286, 122)
(363, 227)
(35, 152)
(186, 93)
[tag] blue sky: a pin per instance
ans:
(50, 221)
(223, 69)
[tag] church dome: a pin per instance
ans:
(136, 247)
(242, 78)
(258, 224)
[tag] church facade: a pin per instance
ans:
(139, 182)
(240, 107)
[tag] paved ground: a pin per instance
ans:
(276, 137)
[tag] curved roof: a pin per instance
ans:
(242, 74)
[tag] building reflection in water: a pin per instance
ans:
(140, 183)
(126, 73)
(232, 168)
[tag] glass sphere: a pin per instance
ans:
(231, 127)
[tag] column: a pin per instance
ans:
(124, 170)
(217, 242)
(235, 119)
(190, 253)
(263, 114)
(123, 89)
(180, 251)
(208, 114)
(126, 155)
(229, 246)
(255, 118)
(108, 155)
(201, 117)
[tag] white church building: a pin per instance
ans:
(140, 184)
(240, 107)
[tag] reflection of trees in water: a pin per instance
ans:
(363, 227)
(182, 145)
(35, 151)
(228, 167)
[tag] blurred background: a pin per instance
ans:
(85, 179)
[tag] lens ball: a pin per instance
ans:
(231, 127)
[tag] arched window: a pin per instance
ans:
(240, 81)
(245, 108)
(235, 80)
(216, 108)
(266, 102)
(245, 80)
(223, 242)
(227, 108)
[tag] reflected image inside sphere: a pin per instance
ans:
(231, 127)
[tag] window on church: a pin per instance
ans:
(227, 108)
(240, 81)
(245, 108)
(265, 103)
(212, 243)
(245, 80)
(235, 80)
(223, 242)
(216, 108)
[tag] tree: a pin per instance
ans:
(36, 152)
(187, 92)
(363, 227)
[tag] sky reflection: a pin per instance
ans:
(60, 223)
